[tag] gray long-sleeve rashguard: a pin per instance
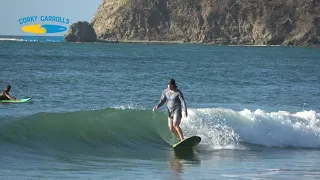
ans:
(175, 102)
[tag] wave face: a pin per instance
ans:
(114, 130)
(108, 130)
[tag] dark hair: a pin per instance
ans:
(172, 82)
(8, 87)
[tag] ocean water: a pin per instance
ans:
(255, 108)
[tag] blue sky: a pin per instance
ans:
(12, 10)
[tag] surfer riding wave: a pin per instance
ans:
(175, 106)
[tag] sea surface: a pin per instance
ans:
(256, 109)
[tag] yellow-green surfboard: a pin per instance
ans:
(17, 101)
(189, 142)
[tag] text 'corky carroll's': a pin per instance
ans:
(58, 19)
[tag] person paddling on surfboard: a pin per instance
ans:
(175, 105)
(4, 94)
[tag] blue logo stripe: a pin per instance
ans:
(50, 28)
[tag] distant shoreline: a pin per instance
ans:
(20, 38)
(193, 42)
(139, 41)
(170, 42)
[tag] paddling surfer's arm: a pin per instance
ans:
(163, 99)
(8, 96)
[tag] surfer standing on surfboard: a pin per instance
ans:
(175, 105)
(4, 94)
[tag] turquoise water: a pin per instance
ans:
(255, 108)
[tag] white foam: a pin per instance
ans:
(209, 125)
(129, 106)
(10, 39)
(226, 128)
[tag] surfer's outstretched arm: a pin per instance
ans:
(163, 99)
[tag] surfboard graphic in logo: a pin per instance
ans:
(43, 29)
